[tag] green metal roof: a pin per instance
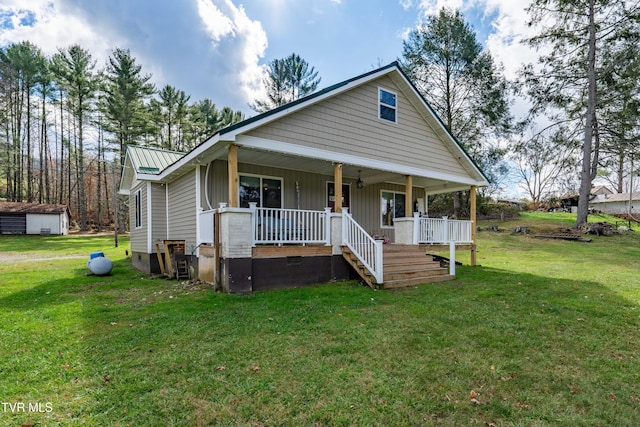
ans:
(152, 161)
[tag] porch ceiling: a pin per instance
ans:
(349, 171)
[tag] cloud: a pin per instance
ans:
(507, 28)
(208, 48)
(243, 40)
(49, 26)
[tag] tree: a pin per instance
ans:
(620, 99)
(126, 91)
(286, 80)
(173, 106)
(568, 84)
(462, 83)
(542, 161)
(74, 68)
(24, 64)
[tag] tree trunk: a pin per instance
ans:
(620, 172)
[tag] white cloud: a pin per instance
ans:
(218, 25)
(51, 26)
(229, 25)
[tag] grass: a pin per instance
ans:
(544, 333)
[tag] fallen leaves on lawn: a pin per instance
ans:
(473, 396)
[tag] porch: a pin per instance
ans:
(282, 243)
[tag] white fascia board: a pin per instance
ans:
(331, 156)
(149, 218)
(430, 191)
(191, 158)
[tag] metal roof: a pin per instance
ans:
(152, 161)
(617, 197)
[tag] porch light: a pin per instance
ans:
(359, 183)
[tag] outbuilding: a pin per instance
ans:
(33, 218)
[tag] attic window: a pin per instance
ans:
(387, 105)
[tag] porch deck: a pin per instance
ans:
(403, 266)
(266, 246)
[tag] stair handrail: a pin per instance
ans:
(367, 249)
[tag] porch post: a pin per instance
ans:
(253, 207)
(232, 164)
(472, 211)
(408, 200)
(337, 178)
(327, 226)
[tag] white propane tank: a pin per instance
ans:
(99, 265)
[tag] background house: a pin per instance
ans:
(32, 218)
(616, 204)
(570, 198)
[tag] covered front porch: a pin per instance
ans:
(271, 204)
(281, 244)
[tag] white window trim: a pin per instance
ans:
(380, 206)
(253, 175)
(380, 103)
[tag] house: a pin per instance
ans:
(306, 193)
(33, 218)
(616, 204)
(570, 198)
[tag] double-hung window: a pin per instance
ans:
(387, 105)
(391, 207)
(266, 192)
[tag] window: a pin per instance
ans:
(391, 207)
(266, 192)
(387, 105)
(331, 195)
(138, 209)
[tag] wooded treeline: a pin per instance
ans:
(65, 125)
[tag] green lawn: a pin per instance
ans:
(543, 333)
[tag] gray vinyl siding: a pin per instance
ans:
(182, 208)
(158, 214)
(138, 236)
(365, 202)
(348, 123)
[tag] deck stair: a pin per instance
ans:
(403, 265)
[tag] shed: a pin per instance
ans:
(33, 218)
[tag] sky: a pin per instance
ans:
(218, 49)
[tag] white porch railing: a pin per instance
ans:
(444, 230)
(296, 226)
(366, 248)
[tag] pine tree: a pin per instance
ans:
(462, 83)
(286, 80)
(74, 68)
(569, 82)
